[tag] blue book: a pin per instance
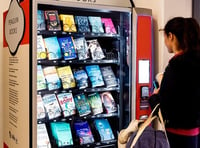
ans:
(104, 129)
(82, 105)
(83, 131)
(40, 20)
(61, 131)
(95, 22)
(53, 48)
(67, 47)
(95, 75)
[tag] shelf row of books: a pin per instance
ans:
(68, 48)
(61, 105)
(80, 132)
(51, 20)
(57, 77)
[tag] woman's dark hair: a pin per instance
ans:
(187, 32)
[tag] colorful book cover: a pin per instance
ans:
(95, 49)
(109, 26)
(82, 23)
(52, 20)
(67, 104)
(42, 136)
(53, 48)
(95, 76)
(66, 76)
(95, 22)
(104, 129)
(41, 114)
(53, 81)
(68, 22)
(81, 78)
(83, 131)
(94, 100)
(51, 105)
(40, 20)
(41, 51)
(67, 47)
(109, 76)
(41, 81)
(108, 102)
(61, 131)
(82, 48)
(82, 105)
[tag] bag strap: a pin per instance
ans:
(147, 123)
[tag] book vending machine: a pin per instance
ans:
(76, 72)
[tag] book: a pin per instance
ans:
(67, 104)
(82, 23)
(51, 105)
(95, 75)
(83, 132)
(41, 51)
(109, 26)
(82, 105)
(82, 48)
(52, 20)
(41, 114)
(53, 81)
(41, 25)
(66, 76)
(68, 48)
(61, 131)
(42, 136)
(109, 76)
(95, 49)
(53, 48)
(41, 81)
(94, 100)
(81, 77)
(96, 24)
(103, 127)
(68, 22)
(108, 102)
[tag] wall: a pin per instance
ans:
(162, 11)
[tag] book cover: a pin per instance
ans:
(51, 105)
(109, 26)
(104, 129)
(41, 51)
(41, 114)
(67, 47)
(53, 81)
(52, 20)
(41, 81)
(82, 23)
(53, 48)
(109, 76)
(96, 24)
(61, 131)
(81, 78)
(82, 48)
(42, 136)
(95, 49)
(82, 105)
(95, 76)
(108, 102)
(68, 22)
(94, 100)
(83, 132)
(66, 76)
(67, 104)
(41, 25)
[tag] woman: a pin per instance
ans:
(179, 91)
